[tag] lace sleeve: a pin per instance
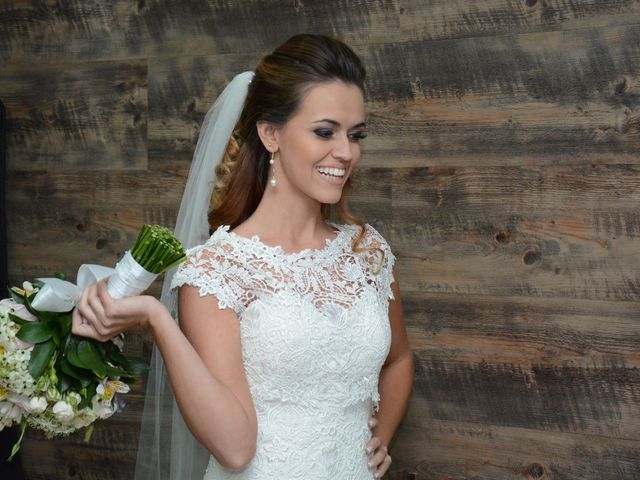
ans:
(207, 268)
(381, 260)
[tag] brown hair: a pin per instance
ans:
(280, 81)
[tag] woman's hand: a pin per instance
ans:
(99, 316)
(378, 458)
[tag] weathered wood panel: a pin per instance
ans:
(76, 116)
(565, 97)
(461, 451)
(502, 165)
(120, 29)
(522, 388)
(548, 231)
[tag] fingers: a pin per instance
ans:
(373, 423)
(81, 327)
(373, 444)
(89, 315)
(378, 460)
(105, 298)
(383, 467)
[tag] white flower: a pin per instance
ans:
(28, 287)
(6, 305)
(37, 405)
(21, 400)
(108, 388)
(63, 412)
(85, 417)
(102, 409)
(10, 413)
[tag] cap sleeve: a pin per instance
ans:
(208, 268)
(381, 261)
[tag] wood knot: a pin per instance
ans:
(191, 105)
(503, 237)
(101, 243)
(531, 257)
(81, 227)
(621, 87)
(530, 3)
(535, 470)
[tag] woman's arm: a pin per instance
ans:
(396, 380)
(203, 360)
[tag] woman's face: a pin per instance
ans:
(319, 145)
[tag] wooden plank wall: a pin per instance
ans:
(502, 166)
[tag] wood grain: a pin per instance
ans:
(76, 116)
(502, 166)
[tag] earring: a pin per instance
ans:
(272, 161)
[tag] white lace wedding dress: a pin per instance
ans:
(314, 332)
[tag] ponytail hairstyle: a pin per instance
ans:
(280, 82)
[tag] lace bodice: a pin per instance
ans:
(314, 332)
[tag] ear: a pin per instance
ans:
(268, 134)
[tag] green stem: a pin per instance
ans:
(16, 446)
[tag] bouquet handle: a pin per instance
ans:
(129, 278)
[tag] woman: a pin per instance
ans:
(291, 332)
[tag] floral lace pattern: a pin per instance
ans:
(314, 332)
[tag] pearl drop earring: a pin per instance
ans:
(272, 161)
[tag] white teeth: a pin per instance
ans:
(335, 172)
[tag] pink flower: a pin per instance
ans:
(22, 312)
(9, 305)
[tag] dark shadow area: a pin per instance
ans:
(13, 470)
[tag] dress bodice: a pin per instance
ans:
(314, 333)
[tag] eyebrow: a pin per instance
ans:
(337, 124)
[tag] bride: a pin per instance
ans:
(291, 358)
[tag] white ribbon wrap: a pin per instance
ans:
(127, 279)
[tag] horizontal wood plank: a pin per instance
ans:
(76, 116)
(461, 451)
(120, 29)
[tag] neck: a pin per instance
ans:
(286, 218)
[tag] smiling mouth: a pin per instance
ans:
(332, 172)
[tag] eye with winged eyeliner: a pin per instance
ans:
(327, 133)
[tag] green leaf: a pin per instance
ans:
(116, 372)
(60, 275)
(74, 359)
(65, 324)
(64, 382)
(118, 359)
(56, 337)
(82, 375)
(35, 332)
(136, 366)
(91, 391)
(89, 355)
(27, 303)
(40, 357)
(18, 298)
(17, 320)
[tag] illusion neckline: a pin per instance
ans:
(330, 243)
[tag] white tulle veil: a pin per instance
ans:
(166, 449)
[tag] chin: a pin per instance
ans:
(330, 199)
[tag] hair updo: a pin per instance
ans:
(280, 82)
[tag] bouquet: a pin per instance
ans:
(57, 382)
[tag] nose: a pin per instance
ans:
(342, 150)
